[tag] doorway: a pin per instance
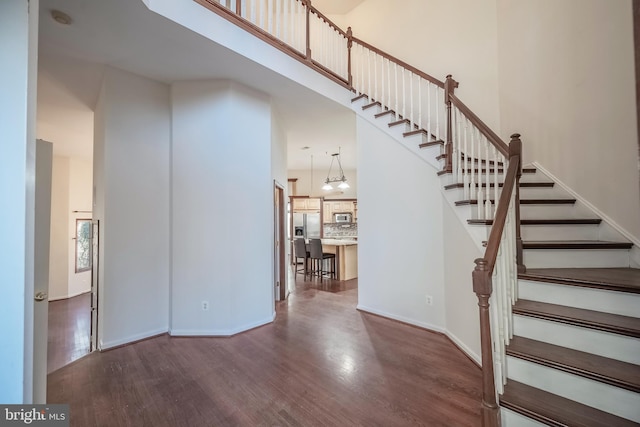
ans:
(279, 263)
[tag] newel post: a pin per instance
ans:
(449, 87)
(482, 286)
(349, 45)
(515, 154)
(307, 4)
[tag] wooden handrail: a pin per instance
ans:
(502, 208)
(400, 62)
(327, 20)
(486, 130)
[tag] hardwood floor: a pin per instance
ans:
(69, 331)
(321, 363)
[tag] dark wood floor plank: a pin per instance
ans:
(69, 331)
(555, 410)
(616, 279)
(598, 368)
(321, 363)
(624, 325)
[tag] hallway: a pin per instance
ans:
(321, 362)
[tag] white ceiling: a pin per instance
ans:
(126, 35)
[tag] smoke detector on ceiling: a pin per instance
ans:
(61, 17)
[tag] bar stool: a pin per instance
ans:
(300, 251)
(316, 254)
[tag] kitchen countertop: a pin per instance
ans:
(339, 242)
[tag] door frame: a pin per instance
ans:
(279, 254)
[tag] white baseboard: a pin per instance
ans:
(106, 345)
(602, 215)
(402, 319)
(220, 332)
(70, 295)
(465, 348)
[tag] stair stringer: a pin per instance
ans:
(411, 143)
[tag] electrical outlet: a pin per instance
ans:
(205, 305)
(429, 300)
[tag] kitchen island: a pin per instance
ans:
(346, 252)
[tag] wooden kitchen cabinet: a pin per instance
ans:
(306, 204)
(332, 207)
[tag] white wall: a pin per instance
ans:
(131, 174)
(71, 191)
(60, 231)
(461, 303)
(80, 198)
(567, 85)
(439, 37)
(309, 184)
(400, 243)
(222, 209)
(18, 50)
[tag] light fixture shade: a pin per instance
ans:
(343, 185)
(327, 186)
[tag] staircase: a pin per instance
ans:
(574, 359)
(565, 343)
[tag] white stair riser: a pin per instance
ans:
(543, 193)
(622, 303)
(549, 211)
(582, 258)
(534, 177)
(513, 419)
(614, 346)
(615, 400)
(560, 232)
(547, 232)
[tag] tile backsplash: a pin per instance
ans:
(341, 230)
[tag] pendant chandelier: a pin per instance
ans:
(341, 179)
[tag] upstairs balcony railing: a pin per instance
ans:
(478, 161)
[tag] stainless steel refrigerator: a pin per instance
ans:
(306, 225)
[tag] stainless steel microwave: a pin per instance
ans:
(342, 217)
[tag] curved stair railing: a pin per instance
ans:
(476, 160)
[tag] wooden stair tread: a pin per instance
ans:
(398, 122)
(524, 202)
(614, 279)
(384, 113)
(372, 104)
(606, 370)
(500, 184)
(614, 323)
(558, 221)
(359, 97)
(430, 143)
(575, 244)
(555, 410)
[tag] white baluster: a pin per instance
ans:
(270, 16)
(389, 84)
(429, 109)
(404, 95)
(472, 181)
(369, 74)
(437, 101)
(395, 68)
(460, 137)
(465, 171)
(487, 202)
(480, 197)
(412, 119)
(454, 139)
(419, 102)
(375, 75)
(382, 81)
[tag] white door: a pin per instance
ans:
(42, 227)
